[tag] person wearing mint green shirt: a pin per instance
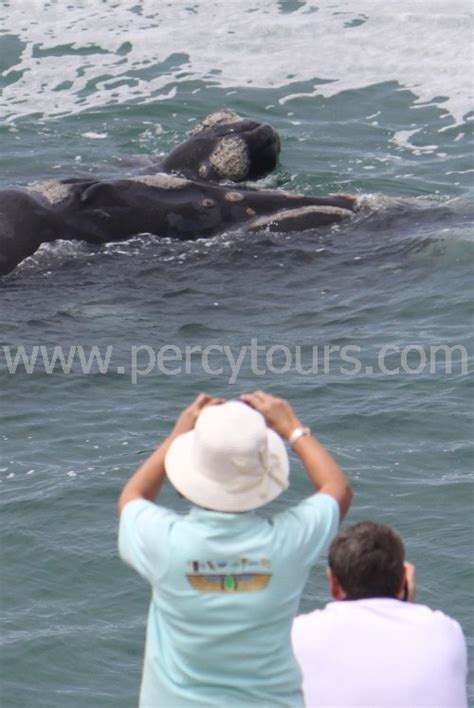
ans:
(226, 582)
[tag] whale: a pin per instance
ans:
(194, 193)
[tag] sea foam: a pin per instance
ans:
(88, 54)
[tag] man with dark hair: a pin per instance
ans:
(374, 646)
(368, 560)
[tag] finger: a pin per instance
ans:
(246, 396)
(261, 395)
(201, 400)
(214, 402)
(257, 393)
(266, 400)
(252, 400)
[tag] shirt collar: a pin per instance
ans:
(207, 516)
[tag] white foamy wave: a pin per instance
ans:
(87, 54)
(94, 136)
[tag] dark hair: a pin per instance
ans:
(367, 559)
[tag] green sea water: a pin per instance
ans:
(86, 96)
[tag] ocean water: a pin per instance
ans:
(366, 327)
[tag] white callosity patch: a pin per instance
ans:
(230, 158)
(161, 180)
(53, 191)
(290, 214)
(218, 118)
(384, 202)
(234, 197)
(424, 45)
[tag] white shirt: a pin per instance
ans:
(380, 652)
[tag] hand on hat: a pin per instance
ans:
(278, 413)
(187, 419)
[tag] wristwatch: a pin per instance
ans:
(298, 433)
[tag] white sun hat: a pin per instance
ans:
(230, 462)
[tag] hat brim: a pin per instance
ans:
(188, 480)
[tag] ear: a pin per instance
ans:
(335, 588)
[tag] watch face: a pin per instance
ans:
(297, 434)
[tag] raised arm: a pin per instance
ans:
(147, 480)
(322, 469)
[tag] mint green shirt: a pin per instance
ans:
(225, 589)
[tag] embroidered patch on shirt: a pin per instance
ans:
(241, 575)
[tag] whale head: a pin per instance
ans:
(225, 146)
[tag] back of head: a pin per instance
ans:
(367, 560)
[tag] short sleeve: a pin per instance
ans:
(455, 648)
(144, 529)
(305, 531)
